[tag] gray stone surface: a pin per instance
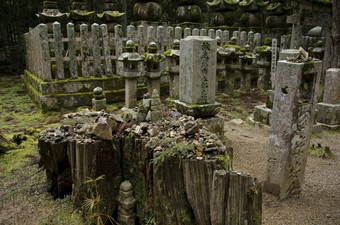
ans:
(197, 70)
(331, 93)
(294, 105)
(126, 204)
(214, 124)
(328, 114)
(288, 53)
(156, 107)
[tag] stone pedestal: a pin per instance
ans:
(130, 92)
(99, 100)
(329, 109)
(296, 89)
(197, 78)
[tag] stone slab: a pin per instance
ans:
(328, 114)
(331, 93)
(197, 111)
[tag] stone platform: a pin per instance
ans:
(73, 93)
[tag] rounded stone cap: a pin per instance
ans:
(130, 46)
(98, 91)
(176, 44)
(152, 47)
(126, 186)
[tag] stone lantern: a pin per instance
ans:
(264, 65)
(232, 55)
(153, 60)
(50, 14)
(132, 68)
(173, 59)
(247, 69)
(111, 16)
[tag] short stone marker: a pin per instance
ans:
(99, 100)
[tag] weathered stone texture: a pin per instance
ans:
(293, 116)
(331, 93)
(197, 70)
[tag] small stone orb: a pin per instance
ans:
(98, 91)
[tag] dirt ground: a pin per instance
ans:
(318, 203)
(23, 189)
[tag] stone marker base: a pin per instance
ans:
(73, 93)
(263, 114)
(197, 111)
(99, 105)
(215, 124)
(328, 115)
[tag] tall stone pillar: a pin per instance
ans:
(197, 81)
(295, 98)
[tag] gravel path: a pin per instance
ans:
(318, 203)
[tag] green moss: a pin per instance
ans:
(231, 2)
(261, 3)
(167, 53)
(249, 53)
(245, 3)
(268, 41)
(273, 7)
(236, 47)
(83, 13)
(186, 218)
(225, 161)
(262, 48)
(214, 3)
(195, 11)
(321, 152)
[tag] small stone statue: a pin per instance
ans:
(126, 204)
(99, 100)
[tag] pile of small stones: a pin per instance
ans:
(173, 128)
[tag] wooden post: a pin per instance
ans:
(84, 50)
(178, 33)
(119, 47)
(97, 70)
(141, 39)
(160, 38)
(44, 71)
(72, 51)
(58, 50)
(106, 51)
(187, 32)
(170, 37)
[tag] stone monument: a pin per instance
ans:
(126, 204)
(132, 69)
(329, 109)
(296, 88)
(197, 86)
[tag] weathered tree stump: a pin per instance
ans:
(91, 160)
(171, 205)
(53, 156)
